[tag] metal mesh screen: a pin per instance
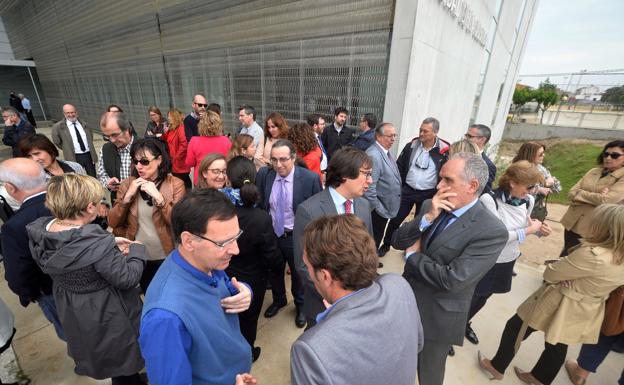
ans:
(294, 57)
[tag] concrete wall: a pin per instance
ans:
(523, 131)
(585, 119)
(6, 53)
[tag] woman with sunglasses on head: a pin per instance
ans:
(512, 203)
(210, 139)
(212, 172)
(603, 184)
(257, 243)
(142, 211)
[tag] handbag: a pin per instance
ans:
(613, 323)
(540, 210)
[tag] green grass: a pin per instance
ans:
(568, 162)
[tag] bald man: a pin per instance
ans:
(75, 138)
(191, 120)
(25, 181)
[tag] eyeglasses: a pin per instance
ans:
(468, 136)
(281, 160)
(200, 105)
(111, 136)
(223, 244)
(367, 174)
(143, 161)
(217, 172)
(613, 155)
(531, 187)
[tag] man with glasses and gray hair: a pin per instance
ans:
(282, 188)
(191, 120)
(419, 165)
(115, 163)
(479, 135)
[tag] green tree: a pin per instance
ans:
(613, 95)
(545, 95)
(521, 96)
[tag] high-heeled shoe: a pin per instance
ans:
(486, 365)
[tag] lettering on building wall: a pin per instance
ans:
(466, 18)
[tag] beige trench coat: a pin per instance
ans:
(574, 315)
(585, 195)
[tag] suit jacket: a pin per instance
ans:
(491, 172)
(317, 206)
(63, 140)
(23, 275)
(305, 184)
(384, 194)
(444, 274)
(14, 133)
(354, 328)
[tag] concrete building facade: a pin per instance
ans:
(403, 60)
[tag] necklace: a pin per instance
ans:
(62, 223)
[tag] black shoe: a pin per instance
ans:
(383, 249)
(300, 319)
(255, 353)
(273, 309)
(451, 352)
(471, 335)
(513, 273)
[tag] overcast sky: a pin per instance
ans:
(574, 35)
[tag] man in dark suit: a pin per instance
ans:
(337, 134)
(283, 187)
(449, 246)
(348, 177)
(25, 181)
(479, 135)
(341, 258)
(15, 128)
(75, 138)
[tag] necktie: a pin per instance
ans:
(439, 225)
(278, 225)
(83, 148)
(348, 207)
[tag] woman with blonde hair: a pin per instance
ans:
(243, 146)
(210, 139)
(275, 127)
(569, 308)
(212, 172)
(95, 279)
(464, 146)
(175, 138)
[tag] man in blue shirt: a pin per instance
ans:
(189, 328)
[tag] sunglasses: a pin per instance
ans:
(142, 161)
(613, 155)
(201, 105)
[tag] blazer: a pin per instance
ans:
(354, 328)
(444, 275)
(23, 275)
(123, 218)
(317, 206)
(491, 172)
(63, 140)
(574, 314)
(384, 194)
(585, 195)
(305, 184)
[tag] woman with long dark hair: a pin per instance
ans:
(257, 244)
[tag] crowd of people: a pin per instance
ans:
(170, 274)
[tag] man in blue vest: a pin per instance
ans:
(189, 327)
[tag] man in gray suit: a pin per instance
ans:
(384, 194)
(348, 177)
(75, 138)
(449, 246)
(349, 345)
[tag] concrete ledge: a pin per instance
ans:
(525, 131)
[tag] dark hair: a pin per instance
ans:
(614, 143)
(214, 107)
(346, 164)
(340, 110)
(528, 151)
(341, 245)
(248, 110)
(285, 143)
(193, 212)
(313, 119)
(241, 173)
(29, 142)
(302, 137)
(279, 122)
(157, 148)
(370, 119)
(108, 109)
(155, 110)
(484, 131)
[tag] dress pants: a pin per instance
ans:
(276, 276)
(48, 307)
(248, 319)
(432, 362)
(85, 161)
(409, 198)
(591, 356)
(379, 227)
(547, 366)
